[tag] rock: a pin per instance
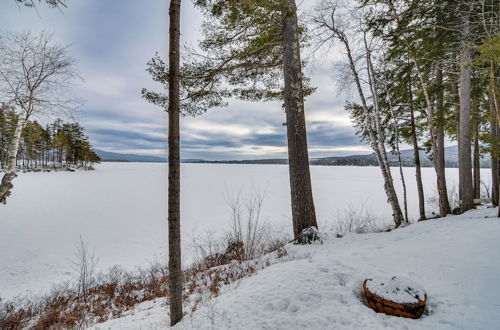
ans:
(396, 296)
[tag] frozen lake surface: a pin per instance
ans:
(120, 209)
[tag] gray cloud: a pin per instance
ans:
(112, 43)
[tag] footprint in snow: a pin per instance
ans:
(342, 278)
(293, 308)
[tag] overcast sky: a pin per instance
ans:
(113, 39)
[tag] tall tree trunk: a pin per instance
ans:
(456, 90)
(400, 163)
(437, 153)
(476, 162)
(6, 184)
(378, 138)
(369, 125)
(403, 182)
(303, 212)
(174, 228)
(416, 153)
(439, 164)
(494, 131)
(495, 105)
(464, 142)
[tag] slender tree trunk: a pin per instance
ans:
(464, 142)
(369, 126)
(6, 184)
(400, 163)
(476, 163)
(494, 131)
(437, 152)
(379, 139)
(495, 102)
(416, 153)
(174, 231)
(303, 212)
(457, 119)
(403, 182)
(439, 164)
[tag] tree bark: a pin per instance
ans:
(303, 211)
(477, 170)
(437, 152)
(439, 156)
(464, 142)
(416, 153)
(403, 182)
(400, 163)
(174, 231)
(369, 124)
(476, 162)
(456, 90)
(6, 184)
(494, 131)
(378, 137)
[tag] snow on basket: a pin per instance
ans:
(395, 296)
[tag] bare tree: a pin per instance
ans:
(35, 76)
(335, 22)
(395, 119)
(84, 267)
(51, 3)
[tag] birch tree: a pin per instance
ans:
(35, 76)
(334, 22)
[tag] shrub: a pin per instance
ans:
(358, 220)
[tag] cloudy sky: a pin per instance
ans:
(113, 39)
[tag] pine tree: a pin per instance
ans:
(251, 52)
(174, 176)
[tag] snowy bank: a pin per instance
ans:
(454, 259)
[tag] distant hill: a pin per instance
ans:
(107, 156)
(451, 158)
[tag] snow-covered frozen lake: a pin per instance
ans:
(120, 209)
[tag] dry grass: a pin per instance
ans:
(358, 220)
(112, 294)
(248, 246)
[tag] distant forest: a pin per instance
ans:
(56, 146)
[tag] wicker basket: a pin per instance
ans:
(381, 305)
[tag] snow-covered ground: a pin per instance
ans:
(120, 209)
(454, 259)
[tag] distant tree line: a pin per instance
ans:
(58, 145)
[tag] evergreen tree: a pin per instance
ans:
(54, 146)
(251, 51)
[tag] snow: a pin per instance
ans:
(397, 289)
(120, 210)
(454, 259)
